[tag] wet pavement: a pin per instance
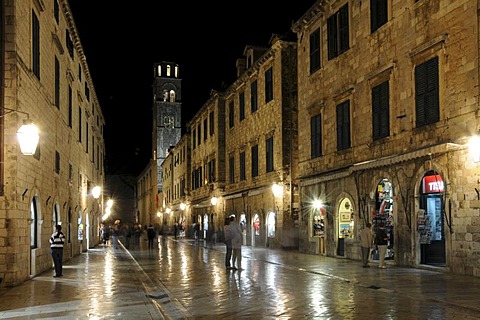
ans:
(184, 279)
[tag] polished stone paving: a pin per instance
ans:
(184, 279)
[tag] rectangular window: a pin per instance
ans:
(56, 11)
(231, 169)
(255, 161)
(79, 124)
(35, 45)
(338, 33)
(194, 139)
(87, 91)
(427, 107)
(57, 162)
(243, 175)
(378, 14)
(70, 172)
(70, 107)
(87, 138)
(211, 170)
(69, 43)
(315, 51)
(316, 136)
(205, 129)
(380, 111)
(269, 154)
(231, 115)
(57, 83)
(199, 134)
(211, 123)
(253, 96)
(241, 105)
(269, 85)
(343, 125)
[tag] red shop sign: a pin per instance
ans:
(433, 184)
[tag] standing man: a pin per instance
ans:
(237, 240)
(381, 239)
(366, 242)
(56, 250)
(228, 242)
(151, 236)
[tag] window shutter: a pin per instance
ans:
(332, 37)
(343, 32)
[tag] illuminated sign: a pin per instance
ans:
(433, 184)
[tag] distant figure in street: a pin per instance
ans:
(175, 229)
(116, 233)
(227, 234)
(56, 249)
(128, 235)
(237, 241)
(366, 242)
(381, 240)
(104, 234)
(137, 233)
(151, 236)
(196, 229)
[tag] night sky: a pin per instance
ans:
(122, 42)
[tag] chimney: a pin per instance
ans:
(240, 66)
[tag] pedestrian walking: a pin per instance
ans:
(56, 250)
(137, 233)
(227, 238)
(366, 242)
(127, 235)
(116, 233)
(104, 233)
(237, 240)
(196, 229)
(381, 240)
(151, 236)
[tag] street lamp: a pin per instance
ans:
(27, 134)
(474, 145)
(96, 192)
(214, 201)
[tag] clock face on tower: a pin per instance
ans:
(168, 122)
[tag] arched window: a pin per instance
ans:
(33, 224)
(172, 96)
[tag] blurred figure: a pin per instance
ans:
(228, 242)
(237, 240)
(127, 235)
(137, 233)
(116, 233)
(366, 242)
(381, 240)
(151, 235)
(104, 233)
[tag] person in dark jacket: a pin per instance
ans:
(151, 236)
(56, 250)
(228, 242)
(381, 240)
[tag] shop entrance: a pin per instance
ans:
(384, 214)
(431, 220)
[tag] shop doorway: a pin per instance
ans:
(345, 224)
(384, 214)
(430, 222)
(255, 229)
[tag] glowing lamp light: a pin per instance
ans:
(474, 145)
(159, 214)
(28, 137)
(214, 201)
(317, 204)
(277, 190)
(182, 206)
(96, 192)
(168, 210)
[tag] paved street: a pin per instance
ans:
(182, 279)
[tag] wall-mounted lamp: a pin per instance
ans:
(214, 201)
(474, 146)
(317, 204)
(168, 210)
(277, 190)
(27, 134)
(183, 206)
(96, 192)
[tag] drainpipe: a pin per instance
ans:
(2, 94)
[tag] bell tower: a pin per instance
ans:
(167, 111)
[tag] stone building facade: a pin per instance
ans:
(45, 78)
(389, 95)
(377, 132)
